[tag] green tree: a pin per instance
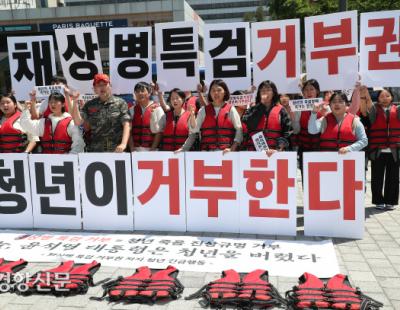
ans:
(258, 16)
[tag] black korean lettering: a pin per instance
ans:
(122, 202)
(22, 59)
(42, 62)
(106, 174)
(18, 181)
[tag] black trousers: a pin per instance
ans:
(385, 172)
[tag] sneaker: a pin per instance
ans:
(389, 207)
(380, 206)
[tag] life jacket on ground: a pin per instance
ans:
(65, 279)
(336, 293)
(141, 133)
(217, 132)
(240, 290)
(175, 134)
(12, 140)
(306, 141)
(271, 128)
(337, 136)
(59, 141)
(145, 285)
(9, 268)
(385, 132)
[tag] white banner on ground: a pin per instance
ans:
(15, 191)
(331, 49)
(80, 57)
(55, 191)
(212, 198)
(379, 48)
(177, 47)
(32, 63)
(334, 194)
(130, 58)
(200, 254)
(227, 54)
(106, 186)
(276, 53)
(268, 193)
(304, 104)
(159, 186)
(259, 142)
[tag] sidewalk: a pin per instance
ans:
(373, 264)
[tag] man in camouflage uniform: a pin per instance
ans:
(107, 119)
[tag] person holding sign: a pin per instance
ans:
(176, 121)
(339, 130)
(384, 147)
(270, 118)
(13, 138)
(58, 133)
(147, 120)
(217, 123)
(105, 118)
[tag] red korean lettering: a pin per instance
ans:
(213, 196)
(350, 186)
(171, 180)
(381, 43)
(288, 46)
(343, 36)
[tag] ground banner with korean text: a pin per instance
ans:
(334, 194)
(187, 253)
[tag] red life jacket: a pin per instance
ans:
(335, 294)
(12, 140)
(141, 133)
(59, 141)
(191, 101)
(252, 290)
(245, 142)
(144, 285)
(80, 277)
(337, 136)
(47, 112)
(217, 132)
(9, 268)
(385, 132)
(175, 134)
(307, 141)
(271, 128)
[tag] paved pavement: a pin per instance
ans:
(373, 264)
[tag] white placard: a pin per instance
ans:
(276, 53)
(32, 63)
(304, 104)
(331, 49)
(334, 194)
(130, 58)
(15, 191)
(268, 190)
(106, 186)
(159, 183)
(379, 48)
(43, 93)
(227, 54)
(177, 47)
(241, 100)
(199, 254)
(55, 191)
(80, 57)
(259, 142)
(87, 98)
(212, 197)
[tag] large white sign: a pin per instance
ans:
(334, 194)
(331, 49)
(32, 63)
(380, 48)
(159, 177)
(276, 54)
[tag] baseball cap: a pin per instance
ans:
(101, 77)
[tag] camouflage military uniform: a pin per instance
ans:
(106, 123)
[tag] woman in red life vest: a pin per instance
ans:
(147, 120)
(58, 133)
(384, 147)
(13, 138)
(269, 117)
(339, 130)
(218, 123)
(176, 120)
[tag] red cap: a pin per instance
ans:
(101, 77)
